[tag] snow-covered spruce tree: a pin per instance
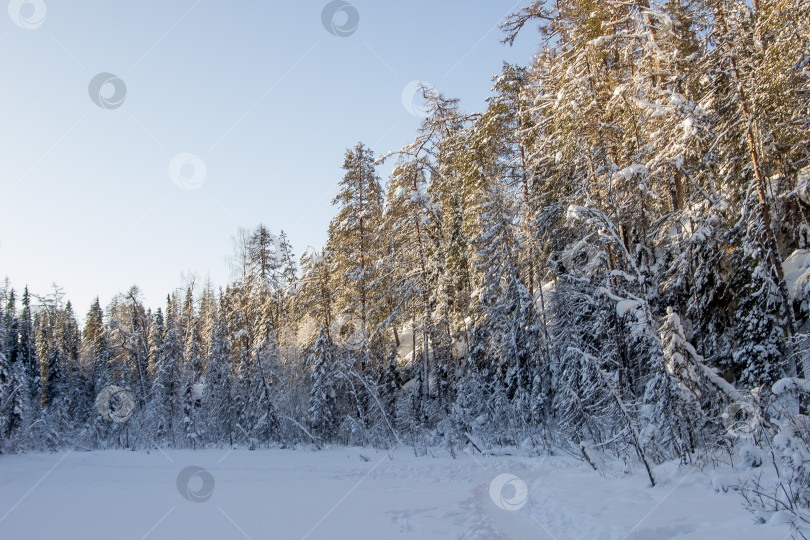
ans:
(27, 352)
(329, 400)
(8, 417)
(761, 331)
(507, 311)
(754, 140)
(96, 350)
(583, 331)
(54, 370)
(15, 404)
(252, 309)
(128, 337)
(240, 338)
(711, 299)
(569, 402)
(165, 393)
(265, 265)
(594, 399)
(11, 337)
(5, 367)
(194, 427)
(617, 127)
(379, 382)
(51, 379)
(324, 410)
(217, 400)
(389, 385)
(470, 412)
(265, 365)
(620, 341)
(157, 332)
(672, 399)
(79, 409)
(16, 407)
(240, 317)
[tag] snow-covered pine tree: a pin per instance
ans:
(406, 219)
(286, 325)
(315, 292)
(433, 159)
(266, 271)
(354, 245)
(207, 317)
(443, 136)
(506, 129)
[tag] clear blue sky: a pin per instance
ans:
(261, 92)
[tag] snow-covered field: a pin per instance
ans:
(354, 493)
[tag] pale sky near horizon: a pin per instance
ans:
(251, 104)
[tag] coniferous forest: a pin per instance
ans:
(609, 260)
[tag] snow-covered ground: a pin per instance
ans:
(354, 493)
